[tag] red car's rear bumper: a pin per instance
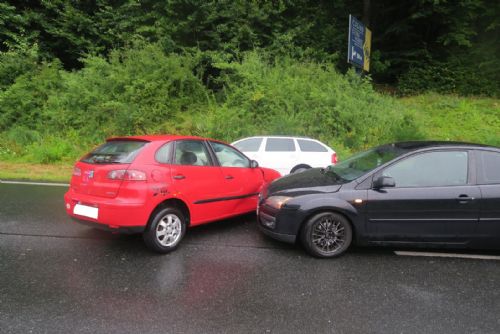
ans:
(118, 215)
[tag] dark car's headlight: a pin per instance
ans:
(277, 201)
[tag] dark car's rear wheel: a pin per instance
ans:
(327, 234)
(165, 231)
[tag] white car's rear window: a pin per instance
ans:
(280, 145)
(310, 146)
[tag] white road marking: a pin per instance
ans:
(452, 255)
(36, 183)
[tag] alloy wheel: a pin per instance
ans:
(328, 234)
(168, 230)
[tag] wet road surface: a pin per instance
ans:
(57, 276)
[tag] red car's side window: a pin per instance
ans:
(164, 154)
(228, 156)
(191, 153)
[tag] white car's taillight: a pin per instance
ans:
(334, 158)
(127, 175)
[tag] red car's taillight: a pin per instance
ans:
(77, 171)
(127, 175)
(334, 158)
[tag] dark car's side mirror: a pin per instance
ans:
(254, 164)
(384, 182)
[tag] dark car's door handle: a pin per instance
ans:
(179, 177)
(229, 177)
(464, 199)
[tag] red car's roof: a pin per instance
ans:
(156, 137)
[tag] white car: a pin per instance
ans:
(287, 154)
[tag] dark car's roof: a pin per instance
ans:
(417, 145)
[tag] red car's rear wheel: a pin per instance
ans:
(165, 231)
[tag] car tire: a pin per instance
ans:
(166, 230)
(327, 234)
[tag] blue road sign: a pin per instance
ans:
(359, 44)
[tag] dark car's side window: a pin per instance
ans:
(228, 156)
(488, 167)
(191, 152)
(431, 169)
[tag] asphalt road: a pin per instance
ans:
(60, 277)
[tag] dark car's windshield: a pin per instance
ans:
(115, 152)
(363, 162)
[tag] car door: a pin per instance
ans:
(434, 200)
(488, 179)
(197, 180)
(242, 182)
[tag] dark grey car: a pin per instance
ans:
(411, 193)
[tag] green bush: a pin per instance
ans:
(16, 62)
(138, 90)
(51, 149)
(449, 117)
(452, 77)
(49, 114)
(21, 135)
(300, 98)
(24, 102)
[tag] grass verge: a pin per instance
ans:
(437, 117)
(449, 117)
(35, 172)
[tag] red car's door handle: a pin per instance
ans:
(229, 177)
(179, 177)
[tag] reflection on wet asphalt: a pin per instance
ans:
(61, 277)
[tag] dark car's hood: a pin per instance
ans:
(315, 180)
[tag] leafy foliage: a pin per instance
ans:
(451, 77)
(408, 34)
(75, 72)
(15, 62)
(51, 114)
(456, 118)
(311, 99)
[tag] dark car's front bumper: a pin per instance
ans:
(282, 224)
(290, 238)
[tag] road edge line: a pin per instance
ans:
(36, 183)
(449, 255)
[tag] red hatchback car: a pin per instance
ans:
(159, 185)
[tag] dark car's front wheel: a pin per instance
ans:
(326, 234)
(166, 230)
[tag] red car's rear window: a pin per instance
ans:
(115, 152)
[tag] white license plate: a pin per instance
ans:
(87, 211)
